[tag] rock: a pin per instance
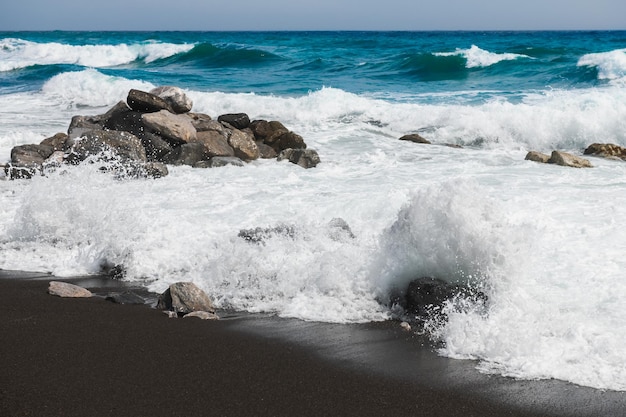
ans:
(171, 314)
(606, 150)
(20, 173)
(306, 158)
(287, 140)
(405, 326)
(262, 129)
(423, 293)
(125, 145)
(215, 144)
(175, 128)
(64, 289)
(126, 297)
(58, 142)
(415, 138)
(339, 230)
(152, 170)
(203, 315)
(220, 161)
(266, 151)
(54, 161)
(186, 154)
(175, 97)
(537, 157)
(569, 160)
(260, 234)
(31, 156)
(236, 120)
(243, 145)
(203, 122)
(185, 297)
(144, 102)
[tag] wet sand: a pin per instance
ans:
(90, 357)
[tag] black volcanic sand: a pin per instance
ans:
(90, 357)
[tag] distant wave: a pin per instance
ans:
(18, 53)
(215, 56)
(479, 58)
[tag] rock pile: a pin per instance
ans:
(153, 129)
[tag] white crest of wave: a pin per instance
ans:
(89, 88)
(611, 65)
(479, 58)
(19, 53)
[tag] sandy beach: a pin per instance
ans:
(91, 357)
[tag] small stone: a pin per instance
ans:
(203, 315)
(415, 138)
(406, 326)
(66, 290)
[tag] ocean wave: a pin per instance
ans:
(480, 58)
(208, 55)
(17, 53)
(610, 65)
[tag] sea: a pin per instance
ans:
(545, 244)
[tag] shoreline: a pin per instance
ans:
(92, 357)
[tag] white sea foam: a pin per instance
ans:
(19, 53)
(544, 242)
(478, 58)
(611, 65)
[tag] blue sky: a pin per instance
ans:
(313, 15)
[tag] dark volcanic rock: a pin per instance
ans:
(236, 120)
(146, 103)
(423, 293)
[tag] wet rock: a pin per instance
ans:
(260, 234)
(287, 140)
(126, 297)
(306, 158)
(266, 151)
(537, 157)
(31, 156)
(415, 138)
(236, 120)
(187, 154)
(58, 142)
(568, 160)
(144, 102)
(424, 293)
(66, 290)
(184, 298)
(177, 99)
(203, 315)
(175, 128)
(220, 161)
(339, 230)
(606, 150)
(125, 145)
(215, 143)
(243, 145)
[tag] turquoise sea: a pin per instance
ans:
(545, 243)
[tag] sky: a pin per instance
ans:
(209, 15)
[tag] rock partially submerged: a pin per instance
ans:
(67, 290)
(606, 150)
(559, 158)
(158, 127)
(184, 298)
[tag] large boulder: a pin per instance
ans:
(175, 97)
(185, 297)
(236, 120)
(125, 145)
(243, 145)
(144, 102)
(306, 158)
(285, 140)
(568, 160)
(423, 294)
(175, 128)
(215, 143)
(67, 290)
(606, 150)
(58, 142)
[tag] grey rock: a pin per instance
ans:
(415, 138)
(215, 143)
(186, 154)
(175, 97)
(569, 160)
(173, 127)
(30, 155)
(58, 142)
(64, 289)
(306, 158)
(185, 297)
(243, 145)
